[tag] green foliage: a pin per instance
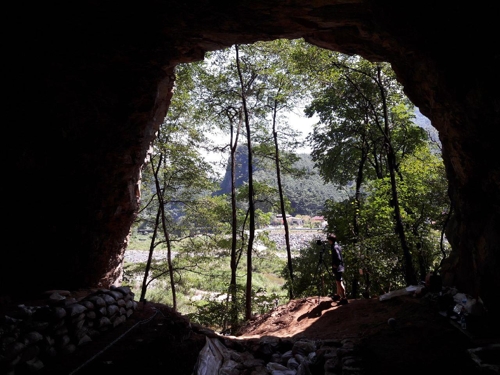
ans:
(202, 284)
(312, 272)
(215, 313)
(306, 192)
(139, 241)
(214, 310)
(365, 133)
(350, 136)
(349, 146)
(376, 248)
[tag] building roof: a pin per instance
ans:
(318, 218)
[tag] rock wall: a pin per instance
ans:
(279, 356)
(32, 336)
(88, 85)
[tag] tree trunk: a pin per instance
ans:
(409, 271)
(357, 198)
(150, 257)
(282, 201)
(165, 232)
(251, 203)
(234, 262)
(169, 260)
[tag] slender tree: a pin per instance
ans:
(220, 102)
(161, 204)
(282, 198)
(410, 275)
(178, 176)
(251, 203)
(234, 133)
(283, 92)
(147, 270)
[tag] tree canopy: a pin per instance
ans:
(373, 173)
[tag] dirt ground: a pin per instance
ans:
(420, 341)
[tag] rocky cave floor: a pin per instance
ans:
(157, 340)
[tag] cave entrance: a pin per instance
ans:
(348, 141)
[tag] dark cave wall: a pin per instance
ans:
(89, 86)
(88, 100)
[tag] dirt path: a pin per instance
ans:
(420, 340)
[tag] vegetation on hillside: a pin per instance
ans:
(306, 192)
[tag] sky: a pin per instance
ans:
(303, 124)
(296, 120)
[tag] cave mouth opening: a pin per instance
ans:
(176, 106)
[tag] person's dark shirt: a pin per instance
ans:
(337, 260)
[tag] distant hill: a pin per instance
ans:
(307, 194)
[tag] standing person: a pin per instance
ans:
(338, 269)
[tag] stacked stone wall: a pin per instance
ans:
(31, 336)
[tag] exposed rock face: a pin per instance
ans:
(91, 84)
